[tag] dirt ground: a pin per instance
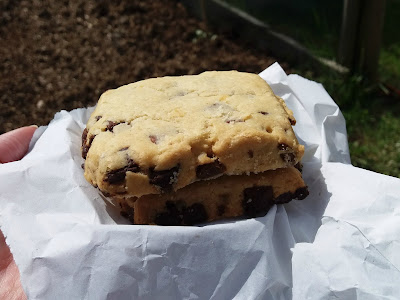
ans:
(58, 55)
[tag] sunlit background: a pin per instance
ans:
(58, 55)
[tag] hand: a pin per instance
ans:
(10, 282)
(13, 146)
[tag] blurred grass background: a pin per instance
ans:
(62, 55)
(371, 109)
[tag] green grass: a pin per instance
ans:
(372, 120)
(376, 146)
(389, 65)
(372, 117)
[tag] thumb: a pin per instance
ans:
(14, 144)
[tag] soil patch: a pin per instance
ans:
(58, 55)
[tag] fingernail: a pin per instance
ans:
(34, 126)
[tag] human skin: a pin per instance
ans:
(13, 146)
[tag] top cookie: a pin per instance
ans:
(161, 134)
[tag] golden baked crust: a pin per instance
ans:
(162, 134)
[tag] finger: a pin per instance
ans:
(5, 254)
(10, 282)
(14, 144)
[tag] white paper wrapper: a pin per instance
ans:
(342, 241)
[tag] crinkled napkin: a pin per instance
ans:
(342, 241)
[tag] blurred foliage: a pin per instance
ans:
(371, 112)
(376, 145)
(315, 24)
(389, 65)
(372, 119)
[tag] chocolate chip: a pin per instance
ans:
(171, 217)
(111, 125)
(292, 121)
(128, 213)
(85, 150)
(118, 176)
(257, 200)
(301, 193)
(284, 198)
(83, 166)
(299, 166)
(153, 139)
(210, 170)
(210, 154)
(85, 144)
(283, 147)
(98, 118)
(84, 136)
(221, 209)
(194, 214)
(250, 153)
(167, 219)
(288, 157)
(132, 166)
(263, 113)
(123, 149)
(234, 121)
(164, 179)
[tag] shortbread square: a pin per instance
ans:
(221, 198)
(159, 135)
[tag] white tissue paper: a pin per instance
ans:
(342, 241)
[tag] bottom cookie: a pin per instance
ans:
(225, 197)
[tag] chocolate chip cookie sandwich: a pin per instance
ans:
(191, 149)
